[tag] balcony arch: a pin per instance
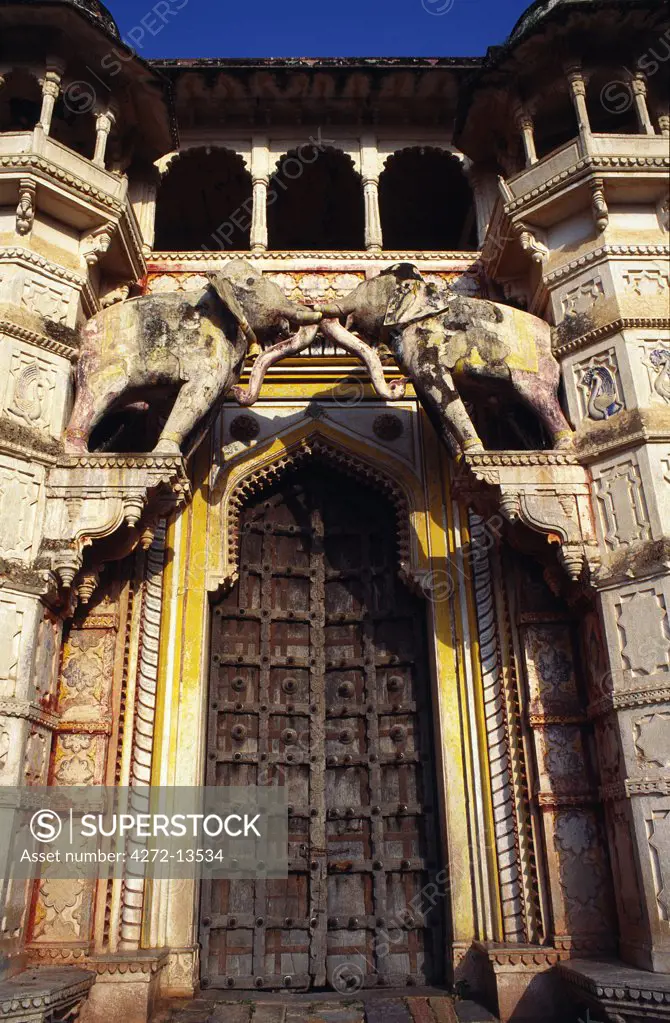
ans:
(204, 202)
(555, 120)
(610, 102)
(20, 100)
(73, 121)
(315, 201)
(426, 201)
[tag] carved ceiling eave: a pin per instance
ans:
(109, 503)
(235, 483)
(547, 491)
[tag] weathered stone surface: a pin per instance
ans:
(439, 338)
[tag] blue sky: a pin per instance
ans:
(300, 28)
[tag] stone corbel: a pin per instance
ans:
(601, 212)
(25, 211)
(96, 244)
(92, 496)
(537, 251)
(545, 490)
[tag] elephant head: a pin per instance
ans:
(193, 343)
(261, 308)
(442, 339)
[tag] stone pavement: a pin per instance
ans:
(306, 1009)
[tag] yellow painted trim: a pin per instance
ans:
(487, 795)
(450, 710)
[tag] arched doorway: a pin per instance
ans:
(425, 202)
(316, 203)
(319, 682)
(204, 202)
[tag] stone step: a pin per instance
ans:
(369, 1008)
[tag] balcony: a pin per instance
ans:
(75, 192)
(610, 156)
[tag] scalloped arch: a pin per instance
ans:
(319, 442)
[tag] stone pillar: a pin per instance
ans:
(485, 192)
(370, 178)
(50, 92)
(617, 385)
(578, 94)
(524, 123)
(104, 123)
(260, 176)
(639, 87)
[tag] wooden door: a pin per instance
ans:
(319, 683)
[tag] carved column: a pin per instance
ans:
(50, 92)
(104, 123)
(639, 86)
(524, 123)
(485, 192)
(370, 178)
(578, 93)
(260, 176)
(617, 386)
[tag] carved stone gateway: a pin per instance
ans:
(379, 518)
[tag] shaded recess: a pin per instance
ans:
(73, 128)
(609, 99)
(315, 201)
(426, 202)
(20, 101)
(204, 202)
(555, 119)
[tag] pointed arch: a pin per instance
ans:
(321, 442)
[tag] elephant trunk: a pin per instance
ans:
(331, 312)
(305, 317)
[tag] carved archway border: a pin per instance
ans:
(251, 477)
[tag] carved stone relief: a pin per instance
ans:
(79, 759)
(599, 386)
(88, 658)
(652, 738)
(581, 298)
(624, 517)
(582, 870)
(11, 627)
(32, 382)
(19, 507)
(63, 910)
(563, 756)
(644, 632)
(550, 669)
(655, 356)
(647, 281)
(36, 758)
(50, 300)
(658, 831)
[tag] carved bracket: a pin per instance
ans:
(546, 490)
(92, 496)
(25, 210)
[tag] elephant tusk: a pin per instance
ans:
(392, 391)
(291, 346)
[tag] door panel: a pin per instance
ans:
(319, 684)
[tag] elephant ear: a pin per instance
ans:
(412, 300)
(224, 289)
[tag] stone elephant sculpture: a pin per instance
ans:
(195, 342)
(441, 339)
